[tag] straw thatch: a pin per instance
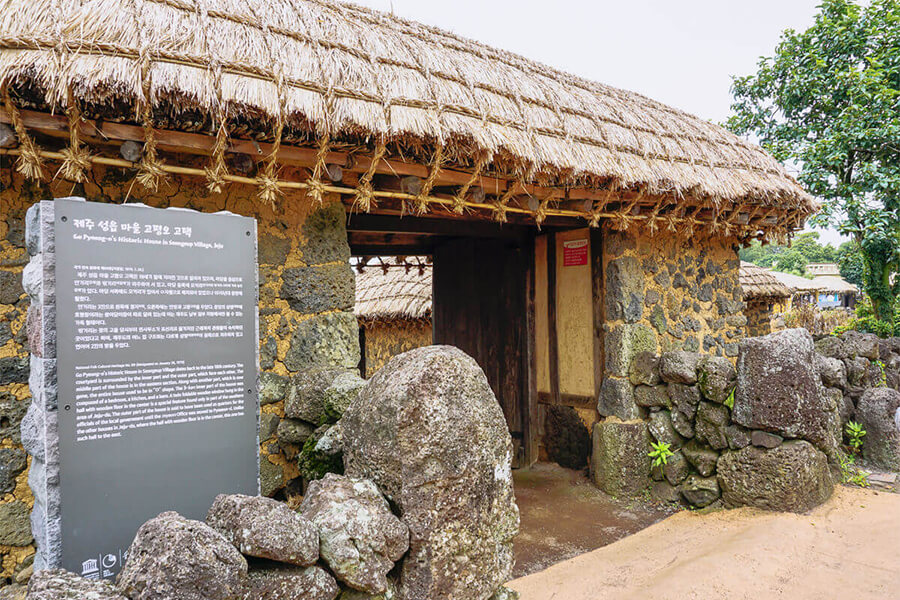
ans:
(339, 75)
(760, 284)
(796, 283)
(393, 293)
(834, 285)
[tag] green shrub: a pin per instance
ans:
(866, 321)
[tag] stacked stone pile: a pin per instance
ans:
(249, 548)
(759, 434)
(426, 434)
(309, 433)
(862, 373)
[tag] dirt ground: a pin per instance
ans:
(563, 515)
(847, 548)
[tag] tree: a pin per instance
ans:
(758, 254)
(828, 101)
(808, 245)
(791, 261)
(850, 262)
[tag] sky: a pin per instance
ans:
(680, 52)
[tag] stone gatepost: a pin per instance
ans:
(40, 425)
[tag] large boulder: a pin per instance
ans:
(620, 464)
(175, 558)
(792, 477)
(876, 412)
(779, 389)
(308, 393)
(360, 539)
(274, 581)
(264, 528)
(58, 584)
(428, 431)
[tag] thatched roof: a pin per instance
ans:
(834, 285)
(393, 293)
(359, 75)
(760, 284)
(796, 283)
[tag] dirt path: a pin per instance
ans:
(565, 515)
(847, 548)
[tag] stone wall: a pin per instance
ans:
(767, 432)
(855, 362)
(384, 339)
(16, 548)
(662, 294)
(759, 315)
(306, 315)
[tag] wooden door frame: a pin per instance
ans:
(555, 397)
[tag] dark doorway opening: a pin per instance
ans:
(483, 301)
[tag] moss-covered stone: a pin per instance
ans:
(620, 462)
(644, 369)
(716, 377)
(319, 288)
(658, 319)
(700, 491)
(271, 478)
(792, 477)
(624, 343)
(711, 423)
(273, 250)
(330, 339)
(313, 462)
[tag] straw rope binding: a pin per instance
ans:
(30, 162)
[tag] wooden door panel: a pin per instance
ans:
(479, 307)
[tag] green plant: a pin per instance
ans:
(660, 453)
(729, 401)
(882, 376)
(855, 434)
(867, 322)
(852, 474)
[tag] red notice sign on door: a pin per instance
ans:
(575, 253)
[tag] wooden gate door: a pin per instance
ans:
(481, 305)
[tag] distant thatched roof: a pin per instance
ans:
(760, 284)
(395, 293)
(834, 285)
(796, 283)
(356, 74)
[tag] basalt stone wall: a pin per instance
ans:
(16, 500)
(306, 319)
(766, 432)
(665, 293)
(759, 317)
(854, 362)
